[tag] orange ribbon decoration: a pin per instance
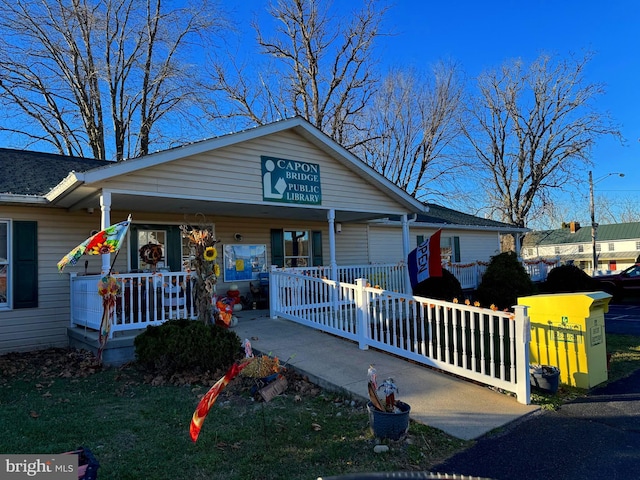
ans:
(211, 396)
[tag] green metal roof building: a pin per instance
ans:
(617, 246)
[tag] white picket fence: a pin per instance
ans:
(480, 344)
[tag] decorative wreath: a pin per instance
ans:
(151, 253)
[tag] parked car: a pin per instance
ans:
(621, 285)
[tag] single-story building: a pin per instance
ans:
(281, 194)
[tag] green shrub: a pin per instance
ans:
(504, 281)
(447, 287)
(186, 345)
(568, 279)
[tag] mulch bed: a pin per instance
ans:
(70, 363)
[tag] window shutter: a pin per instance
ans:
(316, 249)
(25, 264)
(174, 248)
(133, 246)
(456, 249)
(420, 239)
(277, 247)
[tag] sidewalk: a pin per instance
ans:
(460, 408)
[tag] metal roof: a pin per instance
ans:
(562, 236)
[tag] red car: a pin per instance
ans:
(621, 285)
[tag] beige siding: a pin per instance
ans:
(234, 174)
(351, 245)
(58, 232)
(476, 245)
(385, 243)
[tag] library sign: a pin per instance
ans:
(290, 181)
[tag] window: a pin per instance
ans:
(598, 247)
(446, 250)
(153, 237)
(450, 249)
(580, 248)
(557, 250)
(188, 250)
(530, 252)
(4, 263)
(637, 245)
(611, 247)
(296, 248)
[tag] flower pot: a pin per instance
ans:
(389, 425)
(544, 377)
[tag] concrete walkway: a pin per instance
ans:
(462, 409)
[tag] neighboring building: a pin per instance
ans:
(285, 190)
(617, 246)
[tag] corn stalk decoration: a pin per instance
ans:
(204, 268)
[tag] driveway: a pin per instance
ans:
(623, 318)
(596, 437)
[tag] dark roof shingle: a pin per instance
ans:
(23, 172)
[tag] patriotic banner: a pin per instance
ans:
(425, 261)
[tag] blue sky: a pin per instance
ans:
(481, 34)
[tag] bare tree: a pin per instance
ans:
(531, 129)
(321, 68)
(629, 209)
(413, 129)
(69, 68)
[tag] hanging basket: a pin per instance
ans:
(391, 425)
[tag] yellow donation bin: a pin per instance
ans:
(567, 331)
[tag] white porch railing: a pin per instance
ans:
(144, 299)
(389, 276)
(469, 275)
(539, 269)
(476, 343)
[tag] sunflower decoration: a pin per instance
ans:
(101, 245)
(203, 257)
(210, 254)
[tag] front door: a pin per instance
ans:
(165, 242)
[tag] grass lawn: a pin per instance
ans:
(137, 426)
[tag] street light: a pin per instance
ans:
(594, 225)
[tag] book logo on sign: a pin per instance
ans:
(290, 181)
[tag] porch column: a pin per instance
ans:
(405, 254)
(518, 244)
(105, 210)
(331, 218)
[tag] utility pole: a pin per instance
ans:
(594, 225)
